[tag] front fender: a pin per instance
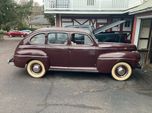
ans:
(22, 57)
(106, 61)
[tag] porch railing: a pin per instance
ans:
(88, 4)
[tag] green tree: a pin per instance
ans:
(23, 12)
(7, 17)
(13, 15)
(50, 18)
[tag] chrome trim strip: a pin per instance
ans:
(76, 69)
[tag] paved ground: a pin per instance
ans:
(68, 92)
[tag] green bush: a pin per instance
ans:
(2, 32)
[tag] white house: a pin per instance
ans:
(142, 29)
(92, 12)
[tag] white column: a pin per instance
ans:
(137, 31)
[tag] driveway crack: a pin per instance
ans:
(74, 106)
(45, 105)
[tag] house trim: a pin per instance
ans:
(84, 12)
(137, 23)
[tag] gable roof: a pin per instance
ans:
(146, 6)
(39, 20)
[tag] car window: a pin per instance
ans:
(38, 39)
(57, 38)
(81, 39)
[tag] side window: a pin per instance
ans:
(80, 39)
(57, 38)
(38, 39)
(51, 38)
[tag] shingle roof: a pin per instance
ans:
(146, 6)
(39, 20)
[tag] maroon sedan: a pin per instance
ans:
(16, 34)
(74, 50)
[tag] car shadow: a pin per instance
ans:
(78, 75)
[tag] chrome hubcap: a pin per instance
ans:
(36, 68)
(121, 71)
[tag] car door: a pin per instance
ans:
(57, 49)
(82, 51)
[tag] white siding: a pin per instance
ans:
(92, 5)
(133, 3)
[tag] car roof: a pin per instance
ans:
(63, 29)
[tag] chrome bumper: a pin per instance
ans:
(11, 61)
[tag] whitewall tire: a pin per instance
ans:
(36, 69)
(121, 71)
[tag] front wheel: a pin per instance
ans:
(121, 71)
(36, 69)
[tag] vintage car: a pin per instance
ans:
(67, 49)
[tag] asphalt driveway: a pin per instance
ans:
(69, 92)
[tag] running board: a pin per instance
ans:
(74, 69)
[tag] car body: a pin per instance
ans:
(16, 33)
(74, 50)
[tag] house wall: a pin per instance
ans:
(142, 35)
(89, 6)
(133, 3)
(137, 24)
(96, 21)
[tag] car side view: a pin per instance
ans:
(74, 49)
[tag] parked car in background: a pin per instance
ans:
(103, 36)
(16, 33)
(74, 50)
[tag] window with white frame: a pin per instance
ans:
(144, 34)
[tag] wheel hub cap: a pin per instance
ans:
(36, 68)
(121, 71)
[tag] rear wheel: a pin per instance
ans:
(36, 69)
(121, 71)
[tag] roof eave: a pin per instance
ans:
(87, 12)
(141, 11)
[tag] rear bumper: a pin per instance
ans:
(11, 61)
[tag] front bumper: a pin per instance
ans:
(11, 61)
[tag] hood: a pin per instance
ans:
(106, 27)
(117, 46)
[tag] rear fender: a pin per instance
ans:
(106, 61)
(22, 57)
